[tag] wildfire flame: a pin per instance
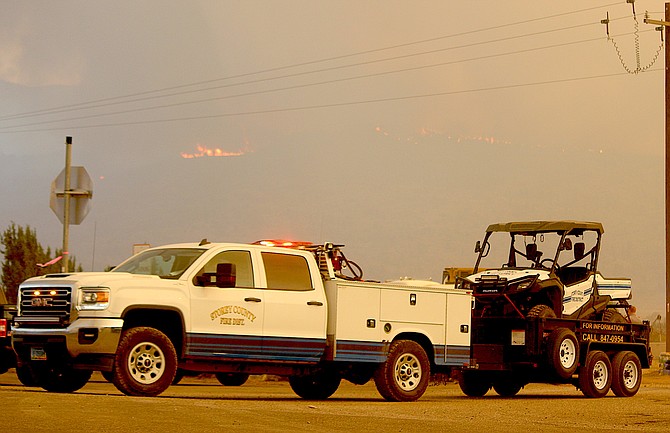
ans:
(203, 151)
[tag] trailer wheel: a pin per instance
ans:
(563, 352)
(405, 374)
(626, 374)
(595, 376)
(317, 386)
(507, 387)
(63, 379)
(473, 384)
(145, 363)
(233, 379)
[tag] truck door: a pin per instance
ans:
(227, 309)
(294, 327)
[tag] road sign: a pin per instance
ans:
(81, 191)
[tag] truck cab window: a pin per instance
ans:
(244, 275)
(287, 272)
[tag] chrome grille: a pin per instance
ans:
(46, 302)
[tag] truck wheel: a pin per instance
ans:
(595, 376)
(145, 363)
(405, 374)
(236, 379)
(317, 386)
(63, 379)
(563, 352)
(26, 376)
(542, 311)
(626, 374)
(507, 387)
(473, 384)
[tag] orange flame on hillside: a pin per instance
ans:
(203, 151)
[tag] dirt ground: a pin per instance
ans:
(202, 405)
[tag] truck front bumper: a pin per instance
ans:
(85, 338)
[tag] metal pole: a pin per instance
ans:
(667, 186)
(66, 213)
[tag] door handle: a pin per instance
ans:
(317, 303)
(252, 299)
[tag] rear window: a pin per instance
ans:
(287, 272)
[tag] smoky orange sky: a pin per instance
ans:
(401, 129)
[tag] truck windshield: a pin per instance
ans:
(166, 263)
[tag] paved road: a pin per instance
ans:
(202, 405)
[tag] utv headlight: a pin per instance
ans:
(93, 298)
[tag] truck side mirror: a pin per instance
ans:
(225, 275)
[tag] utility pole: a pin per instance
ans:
(666, 24)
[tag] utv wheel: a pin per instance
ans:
(317, 386)
(234, 379)
(145, 363)
(507, 387)
(595, 376)
(563, 352)
(541, 311)
(613, 316)
(473, 384)
(626, 374)
(63, 379)
(405, 374)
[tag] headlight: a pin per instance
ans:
(93, 298)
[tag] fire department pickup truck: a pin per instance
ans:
(235, 310)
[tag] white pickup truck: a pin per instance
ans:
(240, 309)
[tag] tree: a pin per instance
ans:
(23, 257)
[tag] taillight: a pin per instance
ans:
(3, 328)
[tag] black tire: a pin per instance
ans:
(613, 316)
(626, 374)
(108, 375)
(473, 384)
(63, 379)
(178, 376)
(317, 386)
(26, 375)
(145, 363)
(563, 352)
(405, 374)
(541, 311)
(235, 379)
(595, 376)
(507, 387)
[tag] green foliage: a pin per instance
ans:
(22, 255)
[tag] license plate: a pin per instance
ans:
(38, 354)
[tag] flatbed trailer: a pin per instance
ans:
(508, 352)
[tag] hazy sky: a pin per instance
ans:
(401, 129)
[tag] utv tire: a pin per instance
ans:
(63, 379)
(626, 374)
(613, 316)
(145, 363)
(317, 386)
(595, 376)
(405, 374)
(563, 352)
(473, 384)
(541, 311)
(234, 379)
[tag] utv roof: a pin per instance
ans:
(545, 226)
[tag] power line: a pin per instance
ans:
(299, 86)
(86, 105)
(331, 105)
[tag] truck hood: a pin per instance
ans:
(81, 279)
(510, 274)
